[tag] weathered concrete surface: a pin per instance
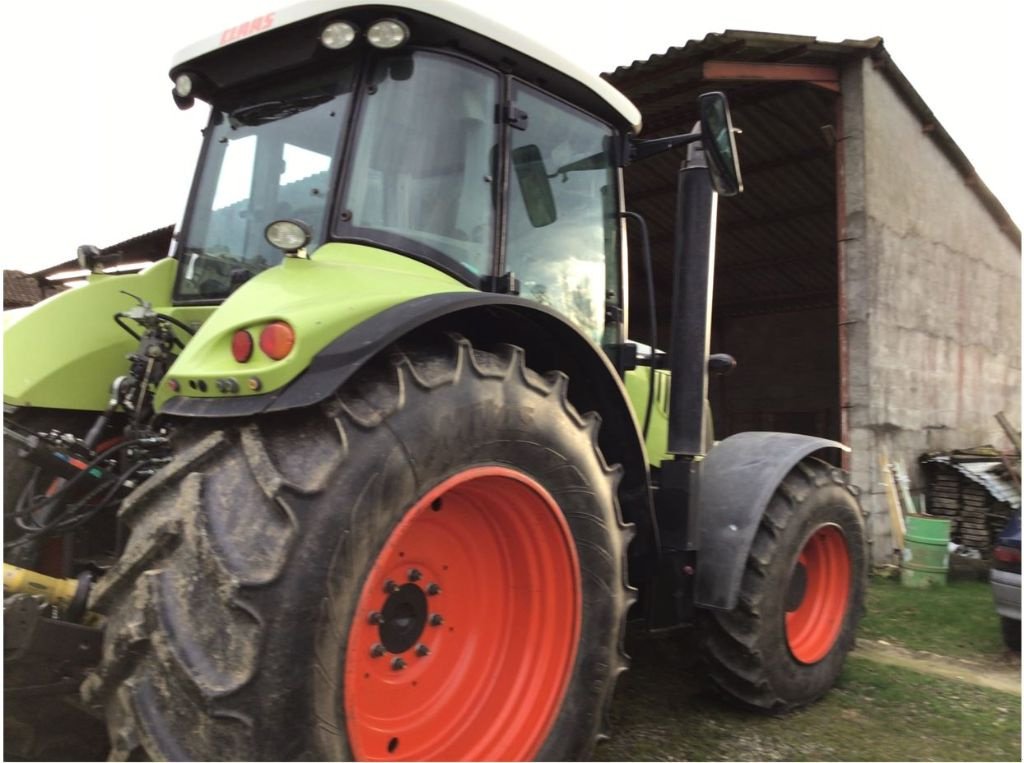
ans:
(932, 296)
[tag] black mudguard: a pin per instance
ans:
(739, 476)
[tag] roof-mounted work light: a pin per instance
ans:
(337, 35)
(387, 33)
(183, 85)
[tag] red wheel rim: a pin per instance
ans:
(817, 595)
(477, 594)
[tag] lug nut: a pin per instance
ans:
(397, 664)
(377, 650)
(433, 589)
(375, 618)
(414, 575)
(390, 586)
(436, 620)
(422, 650)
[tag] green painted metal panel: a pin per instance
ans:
(638, 387)
(321, 298)
(65, 351)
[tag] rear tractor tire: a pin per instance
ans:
(429, 567)
(801, 596)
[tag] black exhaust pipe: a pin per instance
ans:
(693, 278)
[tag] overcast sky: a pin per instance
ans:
(97, 152)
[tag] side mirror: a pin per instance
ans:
(718, 138)
(535, 185)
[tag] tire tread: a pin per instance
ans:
(178, 667)
(736, 665)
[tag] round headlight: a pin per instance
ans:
(183, 85)
(338, 35)
(387, 33)
(288, 235)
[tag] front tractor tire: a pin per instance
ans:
(800, 600)
(431, 566)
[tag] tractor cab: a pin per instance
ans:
(422, 130)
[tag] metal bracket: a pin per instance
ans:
(503, 284)
(44, 656)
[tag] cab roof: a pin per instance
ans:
(444, 10)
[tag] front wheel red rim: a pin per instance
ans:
(817, 595)
(466, 629)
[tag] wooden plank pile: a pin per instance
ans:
(977, 515)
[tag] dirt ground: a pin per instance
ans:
(890, 704)
(1003, 675)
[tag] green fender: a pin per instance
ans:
(321, 298)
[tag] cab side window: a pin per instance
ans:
(562, 227)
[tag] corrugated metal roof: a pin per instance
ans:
(991, 475)
(651, 83)
(777, 240)
(744, 45)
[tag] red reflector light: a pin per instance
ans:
(241, 346)
(277, 340)
(1006, 554)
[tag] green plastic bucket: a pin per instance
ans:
(926, 553)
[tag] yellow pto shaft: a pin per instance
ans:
(59, 592)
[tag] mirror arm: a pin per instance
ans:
(642, 149)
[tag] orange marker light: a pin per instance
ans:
(277, 340)
(241, 346)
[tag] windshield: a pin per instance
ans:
(269, 156)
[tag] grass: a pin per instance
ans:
(662, 710)
(875, 713)
(957, 620)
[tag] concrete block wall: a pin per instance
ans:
(932, 297)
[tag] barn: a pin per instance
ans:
(867, 281)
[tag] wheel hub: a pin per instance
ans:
(403, 618)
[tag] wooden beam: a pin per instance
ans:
(826, 77)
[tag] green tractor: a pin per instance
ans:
(368, 467)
